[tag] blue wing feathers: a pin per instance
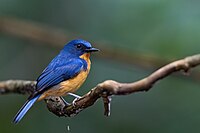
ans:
(54, 75)
(24, 109)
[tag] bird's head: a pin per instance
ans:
(79, 47)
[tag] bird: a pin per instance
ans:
(64, 74)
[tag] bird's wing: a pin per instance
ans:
(52, 77)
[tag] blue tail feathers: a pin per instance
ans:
(24, 109)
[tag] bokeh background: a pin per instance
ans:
(153, 31)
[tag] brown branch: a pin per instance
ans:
(17, 86)
(104, 90)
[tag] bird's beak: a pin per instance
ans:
(92, 50)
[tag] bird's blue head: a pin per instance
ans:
(79, 47)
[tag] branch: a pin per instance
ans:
(105, 89)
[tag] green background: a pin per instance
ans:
(167, 29)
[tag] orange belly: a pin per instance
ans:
(70, 85)
(67, 86)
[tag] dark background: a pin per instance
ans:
(165, 29)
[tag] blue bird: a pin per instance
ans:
(64, 74)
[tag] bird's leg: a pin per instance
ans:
(76, 97)
(65, 102)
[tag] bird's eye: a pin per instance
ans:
(78, 46)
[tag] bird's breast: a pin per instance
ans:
(73, 84)
(70, 85)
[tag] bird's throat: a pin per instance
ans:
(85, 56)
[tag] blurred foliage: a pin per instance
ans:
(166, 28)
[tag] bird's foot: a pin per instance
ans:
(74, 101)
(76, 98)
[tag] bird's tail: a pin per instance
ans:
(24, 109)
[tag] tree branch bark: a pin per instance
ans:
(105, 89)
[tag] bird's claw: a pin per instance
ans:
(76, 98)
(74, 101)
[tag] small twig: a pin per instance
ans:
(107, 102)
(104, 90)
